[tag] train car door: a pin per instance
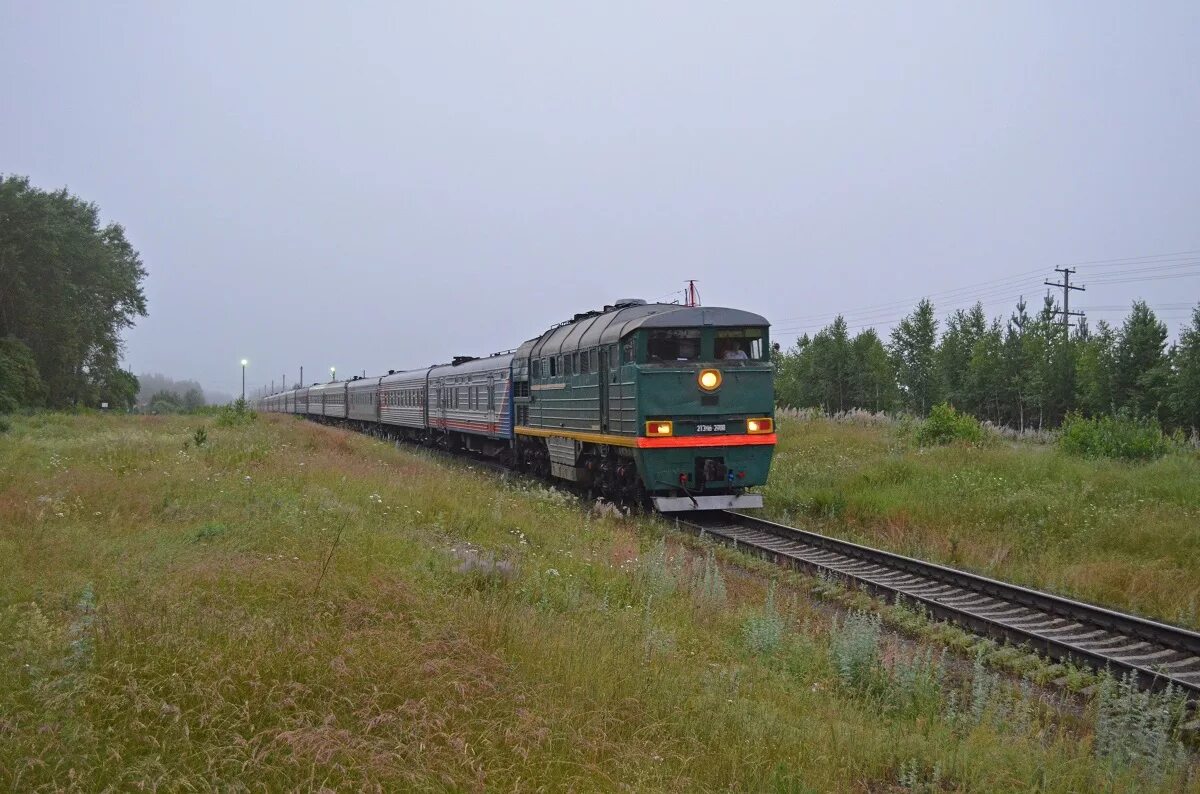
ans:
(491, 405)
(602, 383)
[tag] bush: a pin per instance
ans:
(1123, 437)
(946, 425)
(854, 648)
(235, 414)
(764, 631)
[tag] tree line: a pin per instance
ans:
(68, 286)
(1028, 371)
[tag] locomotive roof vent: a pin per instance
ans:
(462, 360)
(622, 303)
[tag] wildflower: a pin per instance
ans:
(552, 571)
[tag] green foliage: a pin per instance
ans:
(946, 425)
(1026, 374)
(20, 384)
(1123, 437)
(1136, 729)
(5, 424)
(854, 648)
(209, 654)
(118, 388)
(165, 402)
(71, 285)
(236, 414)
(914, 350)
(1142, 369)
(200, 436)
(709, 585)
(1184, 393)
(657, 576)
(835, 372)
(763, 632)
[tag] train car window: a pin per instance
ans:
(674, 344)
(585, 362)
(739, 344)
(554, 366)
(536, 368)
(627, 351)
(491, 398)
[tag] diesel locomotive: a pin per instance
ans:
(636, 402)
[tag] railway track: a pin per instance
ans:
(1157, 654)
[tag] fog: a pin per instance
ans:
(387, 185)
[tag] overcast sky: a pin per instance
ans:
(389, 184)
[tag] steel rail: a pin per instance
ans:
(1158, 655)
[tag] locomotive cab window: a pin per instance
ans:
(674, 344)
(740, 344)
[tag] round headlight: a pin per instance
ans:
(709, 379)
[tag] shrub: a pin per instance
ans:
(854, 647)
(1123, 437)
(1139, 729)
(236, 413)
(709, 585)
(946, 425)
(5, 425)
(764, 631)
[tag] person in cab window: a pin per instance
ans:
(733, 351)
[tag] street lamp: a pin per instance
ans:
(244, 363)
(333, 373)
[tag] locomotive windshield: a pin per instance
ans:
(673, 344)
(739, 344)
(700, 344)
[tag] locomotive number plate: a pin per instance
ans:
(710, 428)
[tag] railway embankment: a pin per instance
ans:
(1125, 535)
(283, 602)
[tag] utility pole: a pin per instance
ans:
(1066, 287)
(692, 294)
(301, 375)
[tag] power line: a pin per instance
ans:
(1153, 264)
(1067, 286)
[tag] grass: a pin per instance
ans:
(1122, 534)
(289, 606)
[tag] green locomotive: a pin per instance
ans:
(659, 401)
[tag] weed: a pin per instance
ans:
(916, 777)
(763, 632)
(1137, 729)
(236, 414)
(200, 436)
(946, 425)
(917, 682)
(656, 641)
(1123, 437)
(854, 646)
(709, 586)
(656, 576)
(210, 531)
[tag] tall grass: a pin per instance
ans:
(289, 606)
(1122, 534)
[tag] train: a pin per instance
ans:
(661, 404)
